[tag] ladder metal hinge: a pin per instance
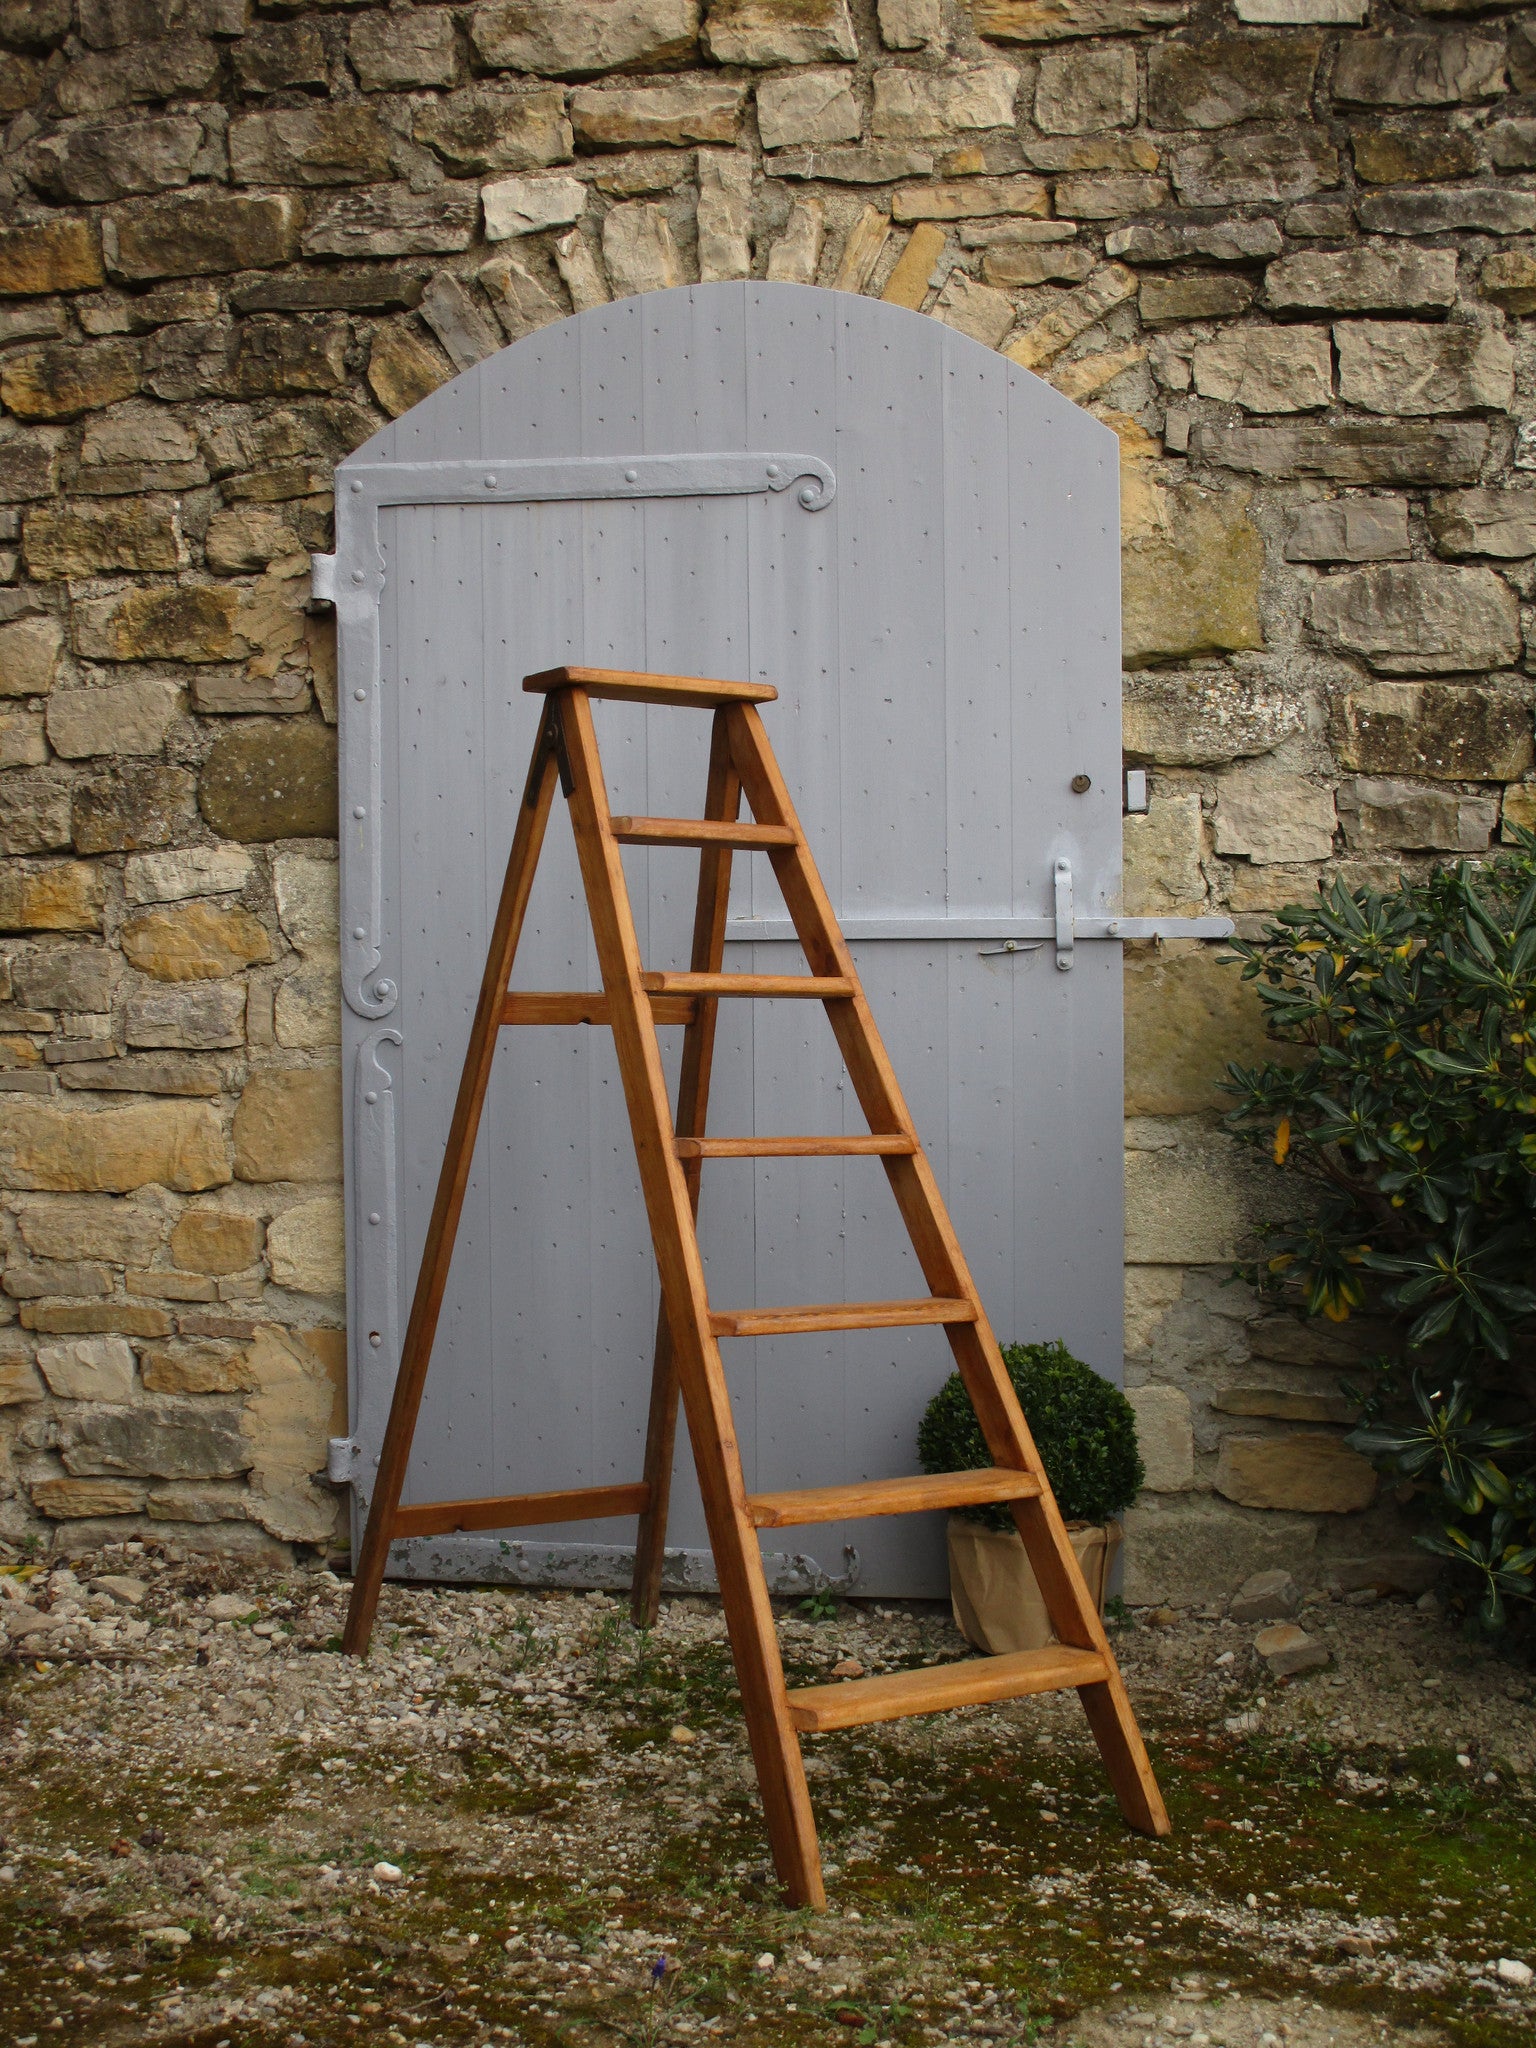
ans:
(343, 1455)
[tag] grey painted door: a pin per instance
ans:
(916, 542)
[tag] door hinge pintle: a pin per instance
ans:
(343, 1456)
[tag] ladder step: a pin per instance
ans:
(937, 1688)
(908, 1496)
(581, 1006)
(840, 1315)
(880, 1143)
(702, 692)
(521, 1510)
(699, 832)
(822, 987)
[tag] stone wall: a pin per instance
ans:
(1283, 247)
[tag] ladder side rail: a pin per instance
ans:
(722, 806)
(448, 1203)
(706, 1398)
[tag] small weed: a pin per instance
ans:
(820, 1605)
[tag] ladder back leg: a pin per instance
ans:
(448, 1203)
(722, 803)
(706, 1400)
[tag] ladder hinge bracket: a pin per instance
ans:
(551, 741)
(1062, 876)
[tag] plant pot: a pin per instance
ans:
(992, 1589)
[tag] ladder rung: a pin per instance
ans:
(823, 987)
(634, 687)
(572, 1006)
(879, 1143)
(840, 1315)
(910, 1496)
(699, 832)
(937, 1688)
(521, 1510)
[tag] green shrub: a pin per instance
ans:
(1084, 1428)
(1406, 1117)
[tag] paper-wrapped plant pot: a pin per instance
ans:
(992, 1588)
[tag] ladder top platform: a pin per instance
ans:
(702, 692)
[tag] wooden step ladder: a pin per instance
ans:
(671, 1157)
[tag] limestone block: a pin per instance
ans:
(25, 1282)
(57, 256)
(29, 656)
(84, 1319)
(911, 24)
(1082, 92)
(69, 1499)
(343, 144)
(1380, 814)
(807, 106)
(1479, 209)
(909, 105)
(54, 1145)
(1219, 80)
(169, 1073)
(724, 215)
(216, 1241)
(912, 274)
(403, 48)
(22, 741)
(19, 1382)
(639, 252)
(1267, 1596)
(1220, 241)
(1288, 1651)
(466, 334)
(1027, 263)
(641, 173)
(34, 810)
(1192, 1202)
(1073, 314)
(307, 900)
(62, 379)
(1367, 280)
(1511, 145)
(156, 1439)
(1204, 719)
(1392, 156)
(274, 55)
(79, 978)
(485, 128)
(1418, 70)
(1452, 731)
(1164, 1436)
(1499, 523)
(140, 447)
(1050, 21)
(163, 622)
(1350, 530)
(289, 1420)
(1408, 452)
(523, 302)
(975, 309)
(65, 896)
(120, 718)
(1266, 814)
(1285, 1404)
(1340, 13)
(130, 807)
(29, 463)
(767, 32)
(288, 1125)
(392, 220)
(1190, 583)
(1418, 618)
(90, 1227)
(271, 779)
(1256, 165)
(973, 199)
(403, 369)
(1400, 366)
(98, 161)
(200, 1505)
(200, 234)
(197, 1018)
(579, 38)
(1186, 1014)
(1509, 279)
(1168, 300)
(1191, 1549)
(675, 111)
(1305, 1471)
(525, 205)
(203, 1365)
(305, 1247)
(1519, 811)
(188, 871)
(580, 271)
(1109, 198)
(87, 540)
(143, 71)
(88, 1368)
(795, 255)
(195, 941)
(1267, 369)
(307, 1007)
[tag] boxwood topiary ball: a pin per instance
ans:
(1085, 1430)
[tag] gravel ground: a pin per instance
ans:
(522, 1821)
